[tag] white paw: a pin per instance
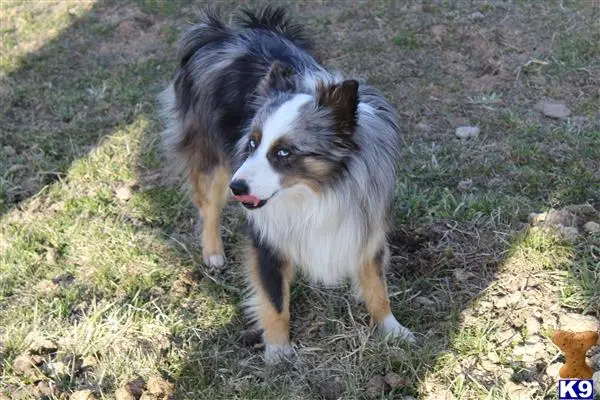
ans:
(392, 329)
(214, 260)
(275, 353)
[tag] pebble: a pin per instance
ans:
(395, 380)
(376, 386)
(568, 233)
(551, 109)
(465, 132)
(533, 325)
(591, 227)
(123, 193)
(423, 127)
(552, 370)
(25, 366)
(9, 151)
(45, 346)
(424, 301)
(465, 185)
(56, 369)
(83, 395)
(578, 322)
(123, 394)
(476, 15)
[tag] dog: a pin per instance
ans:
(311, 156)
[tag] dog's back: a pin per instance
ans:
(219, 70)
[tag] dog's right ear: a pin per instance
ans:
(279, 78)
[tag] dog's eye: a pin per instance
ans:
(282, 153)
(252, 144)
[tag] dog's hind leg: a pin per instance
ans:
(374, 290)
(210, 193)
(269, 303)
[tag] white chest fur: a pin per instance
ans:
(321, 238)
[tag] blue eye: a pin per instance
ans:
(283, 153)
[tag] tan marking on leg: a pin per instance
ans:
(374, 289)
(210, 196)
(275, 325)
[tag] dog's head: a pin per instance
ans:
(296, 139)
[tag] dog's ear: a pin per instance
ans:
(342, 100)
(279, 78)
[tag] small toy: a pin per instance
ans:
(574, 346)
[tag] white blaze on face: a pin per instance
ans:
(258, 173)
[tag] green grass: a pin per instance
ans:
(120, 282)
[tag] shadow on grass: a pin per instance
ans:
(101, 74)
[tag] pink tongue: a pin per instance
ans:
(248, 198)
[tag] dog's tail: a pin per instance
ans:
(273, 19)
(208, 30)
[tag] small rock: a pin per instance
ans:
(83, 395)
(88, 362)
(596, 379)
(533, 325)
(578, 323)
(441, 394)
(9, 151)
(528, 349)
(554, 218)
(136, 386)
(398, 355)
(461, 275)
(332, 388)
(56, 369)
(160, 387)
(376, 386)
(517, 392)
(45, 346)
(552, 109)
(423, 127)
(465, 132)
(63, 279)
(156, 291)
(506, 335)
(595, 361)
(568, 233)
(591, 227)
(487, 365)
(46, 287)
(438, 32)
(465, 185)
(424, 301)
(46, 389)
(552, 370)
(476, 16)
(25, 366)
(123, 193)
(395, 380)
(493, 357)
(123, 394)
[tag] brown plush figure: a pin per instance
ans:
(574, 347)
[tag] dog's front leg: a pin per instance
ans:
(270, 275)
(374, 290)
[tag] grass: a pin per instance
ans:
(118, 282)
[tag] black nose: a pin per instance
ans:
(239, 187)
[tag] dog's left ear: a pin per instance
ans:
(342, 99)
(279, 78)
